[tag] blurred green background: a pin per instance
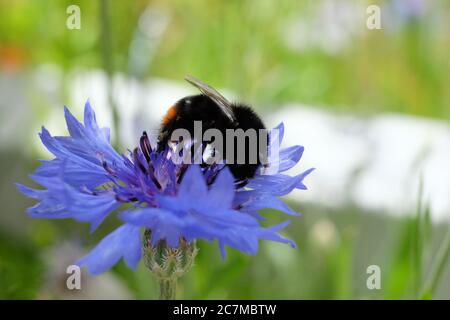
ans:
(256, 50)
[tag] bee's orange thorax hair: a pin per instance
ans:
(170, 114)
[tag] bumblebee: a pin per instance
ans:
(215, 112)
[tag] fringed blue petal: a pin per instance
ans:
(124, 242)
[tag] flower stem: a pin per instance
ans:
(108, 65)
(167, 288)
(441, 262)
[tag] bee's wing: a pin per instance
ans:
(212, 93)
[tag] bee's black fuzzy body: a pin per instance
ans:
(203, 108)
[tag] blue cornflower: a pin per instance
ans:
(88, 179)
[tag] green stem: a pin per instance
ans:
(108, 65)
(418, 242)
(441, 262)
(167, 288)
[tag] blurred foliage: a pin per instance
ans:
(20, 270)
(239, 45)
